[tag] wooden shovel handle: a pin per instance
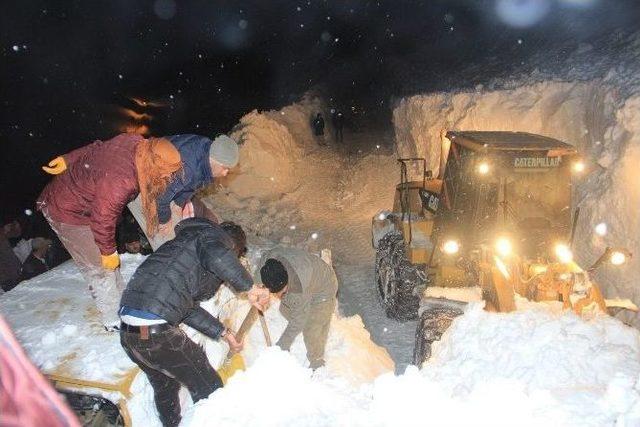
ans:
(265, 329)
(247, 323)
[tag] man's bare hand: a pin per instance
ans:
(259, 297)
(234, 345)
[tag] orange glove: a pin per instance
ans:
(56, 166)
(111, 262)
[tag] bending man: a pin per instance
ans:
(308, 288)
(92, 186)
(166, 291)
(203, 161)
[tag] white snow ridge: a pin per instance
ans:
(534, 367)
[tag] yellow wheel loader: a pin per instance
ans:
(497, 219)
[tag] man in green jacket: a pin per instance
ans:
(308, 288)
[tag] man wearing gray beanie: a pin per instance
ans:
(203, 160)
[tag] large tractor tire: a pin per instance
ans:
(434, 321)
(397, 279)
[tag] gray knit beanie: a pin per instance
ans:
(224, 150)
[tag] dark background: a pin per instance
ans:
(75, 71)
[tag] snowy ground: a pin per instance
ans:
(56, 322)
(535, 367)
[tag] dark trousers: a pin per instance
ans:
(171, 359)
(339, 135)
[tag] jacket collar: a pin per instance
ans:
(192, 223)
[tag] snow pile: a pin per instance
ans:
(275, 391)
(271, 145)
(532, 368)
(553, 366)
(591, 115)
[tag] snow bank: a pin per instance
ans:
(531, 368)
(593, 116)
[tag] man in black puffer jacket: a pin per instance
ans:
(165, 291)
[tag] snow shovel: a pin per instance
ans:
(235, 362)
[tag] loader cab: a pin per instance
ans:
(510, 185)
(511, 188)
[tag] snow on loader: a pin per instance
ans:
(495, 222)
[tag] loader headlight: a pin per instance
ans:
(504, 247)
(601, 229)
(578, 166)
(451, 247)
(563, 253)
(483, 168)
(618, 257)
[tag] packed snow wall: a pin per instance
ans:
(593, 116)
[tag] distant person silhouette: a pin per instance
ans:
(338, 124)
(318, 128)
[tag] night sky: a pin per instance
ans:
(75, 71)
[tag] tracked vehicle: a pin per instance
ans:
(496, 221)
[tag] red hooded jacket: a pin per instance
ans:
(100, 180)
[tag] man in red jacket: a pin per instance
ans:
(92, 186)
